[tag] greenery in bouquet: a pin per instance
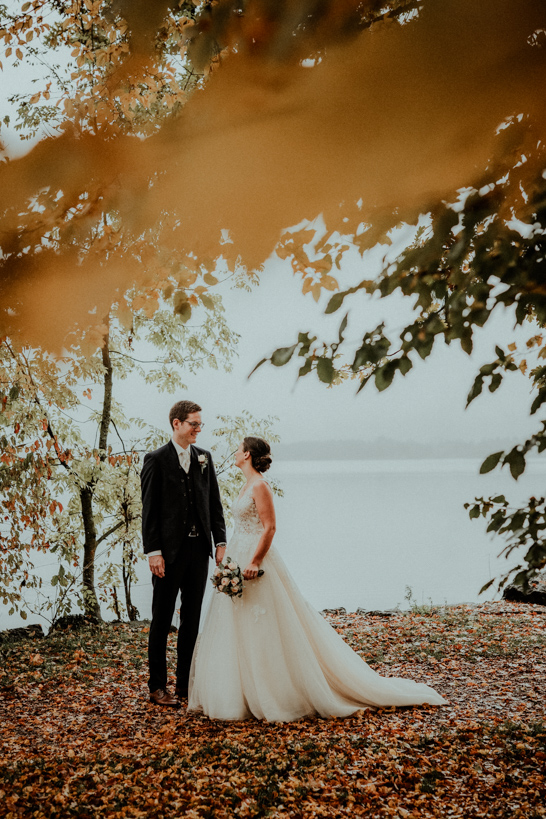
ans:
(228, 578)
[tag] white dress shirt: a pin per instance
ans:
(184, 456)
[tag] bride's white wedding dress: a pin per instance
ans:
(270, 655)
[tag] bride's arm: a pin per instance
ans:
(263, 498)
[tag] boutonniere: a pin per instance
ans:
(203, 462)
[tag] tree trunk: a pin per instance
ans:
(116, 603)
(132, 611)
(107, 402)
(91, 603)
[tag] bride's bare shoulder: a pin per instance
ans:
(261, 489)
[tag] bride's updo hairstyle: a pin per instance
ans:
(260, 453)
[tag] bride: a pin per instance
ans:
(268, 654)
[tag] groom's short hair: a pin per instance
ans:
(182, 409)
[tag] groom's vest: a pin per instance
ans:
(191, 518)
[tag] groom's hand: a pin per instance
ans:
(157, 565)
(220, 552)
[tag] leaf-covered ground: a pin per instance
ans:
(79, 737)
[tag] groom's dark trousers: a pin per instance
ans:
(181, 516)
(187, 574)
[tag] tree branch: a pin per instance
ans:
(110, 531)
(119, 436)
(139, 360)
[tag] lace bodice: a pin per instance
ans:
(246, 516)
(247, 529)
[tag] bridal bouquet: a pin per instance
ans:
(228, 578)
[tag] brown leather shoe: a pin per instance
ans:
(162, 697)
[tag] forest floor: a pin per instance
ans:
(79, 738)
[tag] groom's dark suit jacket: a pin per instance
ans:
(165, 510)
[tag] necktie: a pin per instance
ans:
(185, 460)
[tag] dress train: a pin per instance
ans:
(270, 655)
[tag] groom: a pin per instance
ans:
(181, 515)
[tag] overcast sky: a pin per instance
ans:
(428, 404)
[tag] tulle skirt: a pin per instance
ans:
(270, 655)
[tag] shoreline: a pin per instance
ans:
(338, 614)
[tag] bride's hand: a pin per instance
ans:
(251, 571)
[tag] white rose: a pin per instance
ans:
(201, 459)
(234, 582)
(232, 566)
(226, 572)
(217, 572)
(225, 581)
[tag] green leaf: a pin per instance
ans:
(335, 303)
(424, 348)
(516, 461)
(496, 521)
(362, 357)
(487, 585)
(375, 347)
(498, 499)
(23, 614)
(404, 364)
(384, 375)
(536, 556)
(496, 381)
(474, 512)
(539, 401)
(343, 327)
(305, 341)
(259, 364)
(363, 382)
(325, 370)
(283, 355)
(518, 519)
(521, 580)
(490, 462)
(305, 368)
(466, 342)
(476, 389)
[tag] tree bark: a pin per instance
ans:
(116, 603)
(107, 402)
(132, 611)
(90, 601)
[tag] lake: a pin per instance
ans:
(359, 533)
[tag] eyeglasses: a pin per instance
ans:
(195, 424)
